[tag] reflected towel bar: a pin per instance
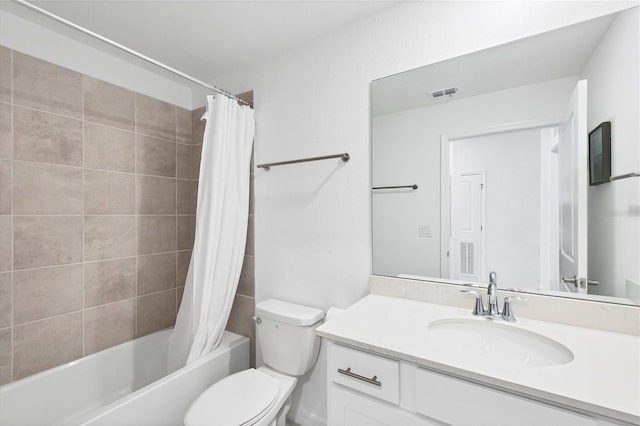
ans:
(414, 186)
(619, 177)
(345, 157)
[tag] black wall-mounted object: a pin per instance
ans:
(600, 154)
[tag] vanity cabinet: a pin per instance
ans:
(368, 389)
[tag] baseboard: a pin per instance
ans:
(305, 418)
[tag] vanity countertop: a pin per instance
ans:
(603, 378)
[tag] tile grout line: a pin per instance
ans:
(43, 163)
(109, 259)
(82, 80)
(99, 124)
(76, 311)
(175, 278)
(12, 339)
(135, 211)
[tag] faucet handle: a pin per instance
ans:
(507, 311)
(478, 309)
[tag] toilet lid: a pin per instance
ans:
(235, 400)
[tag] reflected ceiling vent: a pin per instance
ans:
(450, 92)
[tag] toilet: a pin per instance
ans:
(289, 346)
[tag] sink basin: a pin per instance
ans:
(486, 338)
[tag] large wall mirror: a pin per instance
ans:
(481, 163)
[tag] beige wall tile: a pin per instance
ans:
(156, 234)
(6, 299)
(6, 187)
(109, 237)
(46, 241)
(197, 125)
(46, 138)
(246, 285)
(196, 155)
(186, 232)
(5, 356)
(252, 196)
(155, 312)
(109, 192)
(45, 292)
(185, 162)
(6, 74)
(109, 325)
(43, 344)
(108, 104)
(156, 272)
(109, 281)
(155, 118)
(6, 132)
(155, 156)
(6, 243)
(184, 127)
(155, 195)
(187, 192)
(183, 259)
(241, 318)
(179, 294)
(45, 86)
(250, 246)
(46, 189)
(109, 149)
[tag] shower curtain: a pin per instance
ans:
(221, 230)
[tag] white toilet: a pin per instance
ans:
(290, 347)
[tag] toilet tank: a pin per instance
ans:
(286, 335)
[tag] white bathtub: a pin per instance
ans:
(123, 385)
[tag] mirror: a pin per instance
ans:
(481, 163)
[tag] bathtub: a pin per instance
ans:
(123, 385)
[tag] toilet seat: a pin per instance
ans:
(240, 399)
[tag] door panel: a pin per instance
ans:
(573, 175)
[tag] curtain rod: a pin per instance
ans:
(115, 44)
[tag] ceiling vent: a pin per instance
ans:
(439, 93)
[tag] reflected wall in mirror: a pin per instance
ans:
(497, 143)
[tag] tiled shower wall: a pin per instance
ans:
(97, 213)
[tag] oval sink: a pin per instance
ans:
(500, 342)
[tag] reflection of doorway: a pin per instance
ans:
(468, 201)
(518, 217)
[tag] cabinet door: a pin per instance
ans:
(351, 408)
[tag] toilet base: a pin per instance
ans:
(278, 415)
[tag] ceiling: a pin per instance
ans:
(548, 56)
(206, 39)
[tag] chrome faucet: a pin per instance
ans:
(493, 311)
(493, 297)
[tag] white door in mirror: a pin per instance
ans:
(572, 149)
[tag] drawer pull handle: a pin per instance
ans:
(348, 372)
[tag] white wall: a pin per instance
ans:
(313, 220)
(614, 208)
(406, 149)
(41, 42)
(511, 162)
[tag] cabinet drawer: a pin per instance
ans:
(457, 402)
(364, 372)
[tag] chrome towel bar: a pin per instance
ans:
(345, 157)
(414, 186)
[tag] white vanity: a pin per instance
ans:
(396, 361)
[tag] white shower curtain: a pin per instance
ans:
(221, 230)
